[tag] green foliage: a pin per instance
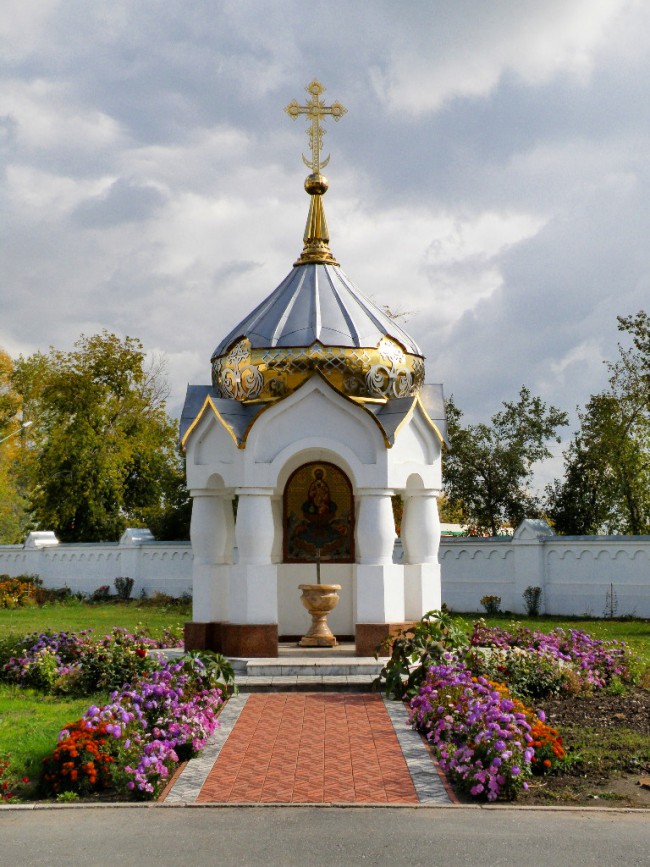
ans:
(14, 519)
(487, 471)
(492, 604)
(414, 650)
(10, 645)
(532, 598)
(606, 487)
(67, 797)
(16, 592)
(529, 675)
(105, 455)
(123, 586)
(217, 668)
(101, 594)
(451, 512)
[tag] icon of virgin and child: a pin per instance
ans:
(318, 515)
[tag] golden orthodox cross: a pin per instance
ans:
(315, 109)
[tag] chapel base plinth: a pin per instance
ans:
(370, 636)
(256, 640)
(202, 636)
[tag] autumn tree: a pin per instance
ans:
(13, 505)
(105, 452)
(488, 470)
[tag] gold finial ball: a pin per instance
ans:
(316, 184)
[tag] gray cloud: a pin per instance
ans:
(125, 201)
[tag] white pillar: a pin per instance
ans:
(421, 541)
(380, 582)
(253, 586)
(277, 553)
(209, 532)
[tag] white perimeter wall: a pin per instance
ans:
(162, 566)
(574, 572)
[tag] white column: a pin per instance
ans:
(253, 587)
(210, 536)
(380, 582)
(421, 541)
(277, 553)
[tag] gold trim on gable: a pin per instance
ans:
(209, 402)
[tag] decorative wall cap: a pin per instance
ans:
(532, 530)
(41, 539)
(136, 536)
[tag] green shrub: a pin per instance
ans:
(528, 673)
(532, 598)
(124, 586)
(102, 594)
(492, 605)
(16, 592)
(415, 650)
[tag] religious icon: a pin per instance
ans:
(318, 515)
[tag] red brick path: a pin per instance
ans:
(311, 748)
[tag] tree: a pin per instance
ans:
(606, 487)
(451, 512)
(13, 506)
(487, 471)
(105, 454)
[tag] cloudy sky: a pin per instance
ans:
(491, 176)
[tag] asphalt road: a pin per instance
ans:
(321, 837)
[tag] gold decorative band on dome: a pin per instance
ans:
(366, 373)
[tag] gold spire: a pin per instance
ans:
(316, 238)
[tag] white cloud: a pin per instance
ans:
(465, 48)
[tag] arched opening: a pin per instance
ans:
(318, 542)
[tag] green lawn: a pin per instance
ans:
(75, 616)
(30, 723)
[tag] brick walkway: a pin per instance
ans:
(312, 748)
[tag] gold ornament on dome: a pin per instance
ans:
(366, 374)
(316, 237)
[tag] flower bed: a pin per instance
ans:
(558, 661)
(78, 663)
(131, 744)
(487, 742)
(471, 695)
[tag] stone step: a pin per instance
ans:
(293, 672)
(313, 683)
(296, 666)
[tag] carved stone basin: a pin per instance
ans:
(319, 600)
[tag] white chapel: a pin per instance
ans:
(317, 415)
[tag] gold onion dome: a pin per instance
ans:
(317, 321)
